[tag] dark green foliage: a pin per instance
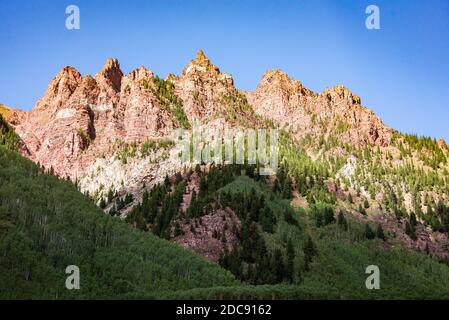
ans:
(319, 194)
(158, 208)
(434, 156)
(410, 230)
(350, 198)
(341, 220)
(102, 204)
(369, 233)
(366, 204)
(283, 183)
(323, 213)
(8, 137)
(46, 225)
(380, 232)
(438, 218)
(310, 251)
(362, 210)
(164, 90)
(49, 225)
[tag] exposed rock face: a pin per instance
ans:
(143, 116)
(81, 119)
(442, 144)
(78, 118)
(211, 234)
(202, 86)
(82, 124)
(337, 111)
(13, 116)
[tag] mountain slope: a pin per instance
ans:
(46, 225)
(349, 191)
(49, 225)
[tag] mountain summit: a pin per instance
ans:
(78, 118)
(344, 179)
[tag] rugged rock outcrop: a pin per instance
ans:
(211, 234)
(202, 88)
(442, 144)
(92, 130)
(78, 118)
(13, 116)
(82, 119)
(335, 112)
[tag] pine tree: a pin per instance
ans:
(342, 221)
(413, 221)
(309, 249)
(369, 233)
(362, 210)
(366, 204)
(410, 230)
(287, 188)
(290, 260)
(102, 203)
(380, 232)
(350, 198)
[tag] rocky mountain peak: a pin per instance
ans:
(78, 116)
(201, 87)
(201, 57)
(277, 79)
(442, 144)
(289, 103)
(13, 116)
(65, 81)
(201, 64)
(87, 91)
(140, 73)
(61, 87)
(111, 74)
(340, 92)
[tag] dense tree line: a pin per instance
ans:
(8, 137)
(158, 207)
(46, 225)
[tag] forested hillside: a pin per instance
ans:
(284, 251)
(106, 192)
(46, 225)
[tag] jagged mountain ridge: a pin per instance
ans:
(336, 111)
(109, 133)
(79, 117)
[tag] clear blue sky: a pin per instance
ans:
(400, 71)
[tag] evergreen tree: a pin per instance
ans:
(380, 232)
(369, 233)
(350, 198)
(102, 204)
(290, 261)
(310, 250)
(341, 220)
(366, 204)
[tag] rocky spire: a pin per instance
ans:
(278, 79)
(201, 58)
(201, 64)
(340, 92)
(111, 73)
(140, 73)
(442, 144)
(61, 87)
